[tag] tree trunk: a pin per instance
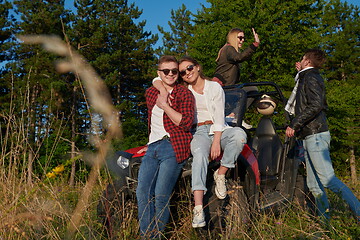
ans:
(31, 134)
(353, 165)
(73, 135)
(30, 166)
(73, 165)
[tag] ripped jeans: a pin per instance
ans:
(232, 143)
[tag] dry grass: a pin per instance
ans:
(44, 211)
(100, 101)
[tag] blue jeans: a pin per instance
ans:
(158, 174)
(232, 143)
(320, 174)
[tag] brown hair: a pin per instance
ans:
(231, 38)
(167, 58)
(316, 57)
(196, 63)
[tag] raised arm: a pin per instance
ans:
(256, 38)
(174, 116)
(158, 84)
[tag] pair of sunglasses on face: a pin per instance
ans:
(175, 71)
(166, 71)
(241, 38)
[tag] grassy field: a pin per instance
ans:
(45, 209)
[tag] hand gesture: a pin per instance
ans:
(168, 96)
(162, 101)
(256, 36)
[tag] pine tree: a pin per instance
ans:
(37, 91)
(5, 33)
(119, 49)
(285, 29)
(5, 36)
(176, 42)
(340, 31)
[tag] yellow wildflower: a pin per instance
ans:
(50, 175)
(58, 169)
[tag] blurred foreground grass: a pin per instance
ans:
(42, 211)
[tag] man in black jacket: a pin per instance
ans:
(310, 125)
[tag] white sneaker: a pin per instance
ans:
(199, 217)
(220, 187)
(245, 125)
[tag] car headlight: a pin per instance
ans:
(123, 162)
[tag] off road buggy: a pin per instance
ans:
(266, 176)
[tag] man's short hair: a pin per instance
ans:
(316, 56)
(167, 58)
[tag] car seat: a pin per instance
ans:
(268, 148)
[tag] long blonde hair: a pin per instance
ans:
(231, 39)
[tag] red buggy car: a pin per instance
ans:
(267, 175)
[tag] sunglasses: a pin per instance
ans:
(189, 68)
(241, 38)
(167, 71)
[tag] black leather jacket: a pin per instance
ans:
(310, 104)
(228, 64)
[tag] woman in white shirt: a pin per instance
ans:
(212, 134)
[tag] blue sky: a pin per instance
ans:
(157, 12)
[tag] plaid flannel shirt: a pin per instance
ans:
(184, 103)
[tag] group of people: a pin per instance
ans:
(189, 118)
